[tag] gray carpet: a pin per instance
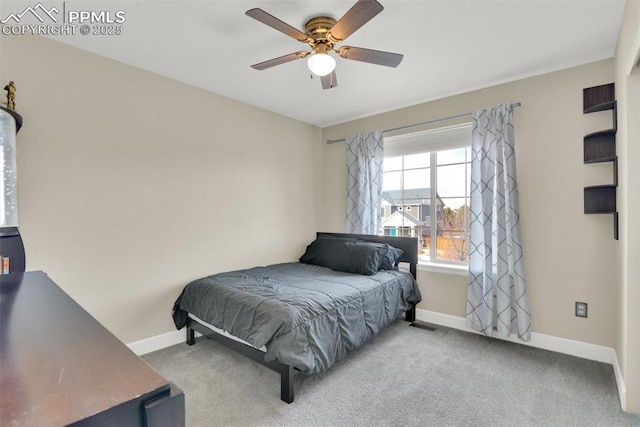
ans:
(404, 376)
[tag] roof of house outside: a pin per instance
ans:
(400, 219)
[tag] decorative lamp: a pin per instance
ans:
(12, 257)
(8, 178)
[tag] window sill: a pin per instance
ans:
(440, 267)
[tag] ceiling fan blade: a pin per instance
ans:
(388, 59)
(270, 20)
(329, 81)
(279, 60)
(359, 14)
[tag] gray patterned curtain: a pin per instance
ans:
(497, 302)
(364, 183)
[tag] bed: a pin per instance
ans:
(303, 317)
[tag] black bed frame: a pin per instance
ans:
(287, 372)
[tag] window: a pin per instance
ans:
(426, 191)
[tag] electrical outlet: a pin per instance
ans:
(581, 309)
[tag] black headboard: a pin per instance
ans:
(408, 244)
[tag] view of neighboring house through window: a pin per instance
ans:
(426, 191)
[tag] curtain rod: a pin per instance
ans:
(429, 122)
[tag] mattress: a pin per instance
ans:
(305, 316)
(224, 333)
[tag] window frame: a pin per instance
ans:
(432, 141)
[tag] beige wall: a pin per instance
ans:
(131, 184)
(569, 256)
(628, 135)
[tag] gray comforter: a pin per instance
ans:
(307, 316)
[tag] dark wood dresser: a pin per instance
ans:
(59, 366)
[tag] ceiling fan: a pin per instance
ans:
(322, 34)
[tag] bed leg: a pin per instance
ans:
(410, 315)
(286, 383)
(191, 335)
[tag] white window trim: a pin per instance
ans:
(442, 138)
(445, 268)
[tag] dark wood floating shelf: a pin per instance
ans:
(601, 133)
(600, 147)
(603, 159)
(600, 199)
(599, 107)
(598, 98)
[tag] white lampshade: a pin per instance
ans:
(8, 174)
(321, 64)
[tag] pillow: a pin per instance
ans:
(344, 255)
(390, 254)
(391, 257)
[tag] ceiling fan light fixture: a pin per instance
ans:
(322, 34)
(321, 64)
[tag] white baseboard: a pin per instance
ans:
(585, 350)
(548, 342)
(622, 388)
(158, 342)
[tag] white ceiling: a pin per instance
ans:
(449, 47)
